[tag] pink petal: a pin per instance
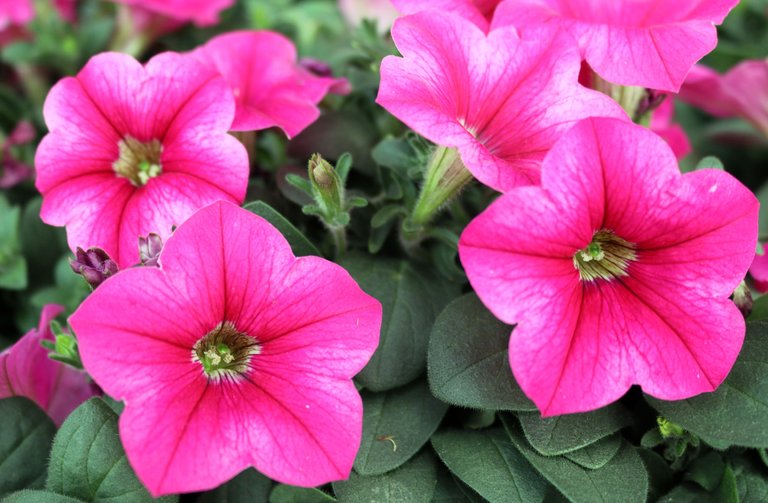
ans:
(467, 9)
(501, 101)
(759, 272)
(295, 415)
(647, 43)
(18, 12)
(747, 85)
(269, 86)
(201, 12)
(703, 88)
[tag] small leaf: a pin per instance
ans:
(414, 482)
(410, 301)
(734, 414)
(557, 435)
(387, 214)
(624, 478)
(710, 162)
(88, 461)
(300, 245)
(447, 489)
(289, 494)
(598, 454)
(469, 359)
(660, 474)
(488, 462)
(396, 424)
(246, 487)
(37, 496)
(25, 441)
(706, 470)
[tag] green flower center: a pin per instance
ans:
(606, 257)
(138, 161)
(224, 352)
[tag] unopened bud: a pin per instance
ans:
(742, 297)
(150, 248)
(94, 265)
(669, 429)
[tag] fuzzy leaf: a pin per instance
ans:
(25, 441)
(290, 494)
(246, 487)
(300, 245)
(596, 455)
(488, 463)
(469, 359)
(88, 461)
(396, 424)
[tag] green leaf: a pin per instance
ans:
(246, 487)
(396, 424)
(414, 482)
(469, 359)
(624, 478)
(660, 474)
(300, 245)
(411, 300)
(88, 461)
(13, 273)
(25, 441)
(560, 434)
(706, 470)
(42, 244)
(751, 482)
(447, 489)
(710, 162)
(598, 454)
(488, 463)
(759, 309)
(37, 496)
(289, 494)
(735, 413)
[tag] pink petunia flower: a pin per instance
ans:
(617, 270)
(270, 87)
(134, 150)
(15, 12)
(501, 101)
(26, 370)
(201, 12)
(662, 124)
(233, 353)
(741, 92)
(479, 12)
(648, 43)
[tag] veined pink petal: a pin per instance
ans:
(673, 134)
(664, 320)
(292, 412)
(648, 43)
(178, 115)
(480, 12)
(500, 100)
(26, 370)
(201, 12)
(703, 88)
(269, 86)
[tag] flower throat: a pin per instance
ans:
(138, 161)
(225, 352)
(606, 257)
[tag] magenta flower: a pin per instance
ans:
(617, 270)
(648, 43)
(26, 370)
(15, 12)
(134, 150)
(741, 92)
(500, 100)
(479, 12)
(201, 12)
(233, 353)
(270, 87)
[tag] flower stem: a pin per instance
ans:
(339, 235)
(445, 176)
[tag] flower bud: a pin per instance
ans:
(150, 248)
(742, 297)
(94, 265)
(327, 188)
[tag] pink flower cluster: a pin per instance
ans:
(598, 250)
(227, 328)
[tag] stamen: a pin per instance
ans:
(138, 161)
(606, 257)
(225, 352)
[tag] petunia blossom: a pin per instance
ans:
(741, 92)
(648, 43)
(136, 149)
(501, 101)
(233, 353)
(617, 270)
(201, 12)
(270, 87)
(26, 370)
(479, 12)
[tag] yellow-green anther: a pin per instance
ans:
(607, 257)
